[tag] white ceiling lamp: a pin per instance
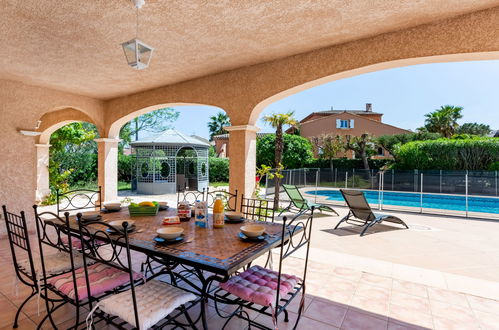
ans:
(137, 53)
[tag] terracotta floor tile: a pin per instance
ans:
(488, 321)
(393, 325)
(332, 314)
(452, 312)
(25, 324)
(8, 312)
(483, 304)
(304, 323)
(405, 315)
(373, 292)
(414, 303)
(441, 323)
(347, 273)
(376, 307)
(411, 288)
(355, 320)
(450, 297)
(376, 280)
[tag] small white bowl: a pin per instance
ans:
(252, 231)
(170, 232)
(233, 215)
(119, 223)
(90, 216)
(112, 206)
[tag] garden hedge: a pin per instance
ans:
(448, 154)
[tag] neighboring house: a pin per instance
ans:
(222, 144)
(348, 122)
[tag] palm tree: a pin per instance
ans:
(217, 124)
(443, 120)
(277, 121)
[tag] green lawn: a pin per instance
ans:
(122, 185)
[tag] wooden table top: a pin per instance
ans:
(218, 250)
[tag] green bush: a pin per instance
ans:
(219, 169)
(345, 163)
(494, 166)
(126, 163)
(297, 151)
(448, 154)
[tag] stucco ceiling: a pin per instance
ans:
(74, 45)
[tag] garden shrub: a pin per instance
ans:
(219, 169)
(297, 151)
(448, 154)
(348, 164)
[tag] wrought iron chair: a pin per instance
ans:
(79, 199)
(243, 291)
(152, 304)
(361, 214)
(22, 257)
(229, 199)
(190, 196)
(257, 209)
(58, 260)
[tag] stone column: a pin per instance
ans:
(242, 154)
(42, 171)
(107, 160)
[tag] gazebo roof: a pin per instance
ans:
(171, 137)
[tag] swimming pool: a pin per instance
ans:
(431, 201)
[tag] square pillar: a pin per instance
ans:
(107, 161)
(242, 164)
(42, 171)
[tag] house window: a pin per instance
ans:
(381, 152)
(344, 123)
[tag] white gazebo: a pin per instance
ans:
(170, 161)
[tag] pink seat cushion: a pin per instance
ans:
(76, 242)
(102, 278)
(259, 285)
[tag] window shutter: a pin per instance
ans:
(352, 123)
(338, 123)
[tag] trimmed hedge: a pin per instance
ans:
(297, 152)
(219, 169)
(448, 154)
(348, 164)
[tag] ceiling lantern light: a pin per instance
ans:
(137, 53)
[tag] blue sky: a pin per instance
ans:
(404, 95)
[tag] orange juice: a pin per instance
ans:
(218, 213)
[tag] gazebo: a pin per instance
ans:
(168, 161)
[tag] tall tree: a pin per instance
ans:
(328, 146)
(443, 120)
(474, 129)
(155, 121)
(217, 123)
(277, 121)
(361, 145)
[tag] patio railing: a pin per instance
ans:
(462, 193)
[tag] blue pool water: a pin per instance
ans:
(433, 201)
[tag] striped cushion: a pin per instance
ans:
(259, 285)
(102, 278)
(55, 263)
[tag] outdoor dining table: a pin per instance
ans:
(214, 254)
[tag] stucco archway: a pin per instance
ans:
(482, 56)
(51, 122)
